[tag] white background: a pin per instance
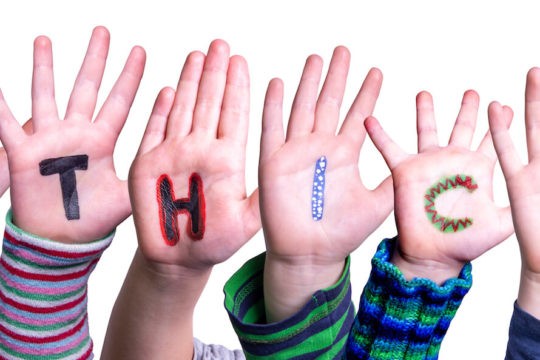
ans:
(443, 47)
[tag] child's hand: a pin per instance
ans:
(523, 186)
(4, 171)
(4, 167)
(314, 208)
(187, 183)
(63, 182)
(189, 203)
(444, 207)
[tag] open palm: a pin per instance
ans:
(97, 201)
(444, 204)
(348, 211)
(202, 129)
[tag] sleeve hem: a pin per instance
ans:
(319, 328)
(381, 262)
(52, 247)
(403, 319)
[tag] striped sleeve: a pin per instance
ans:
(43, 296)
(400, 319)
(318, 331)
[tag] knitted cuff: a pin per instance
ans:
(43, 296)
(400, 319)
(319, 329)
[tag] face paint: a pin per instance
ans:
(317, 190)
(65, 167)
(170, 208)
(443, 223)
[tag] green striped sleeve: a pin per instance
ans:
(318, 331)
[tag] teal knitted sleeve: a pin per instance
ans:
(400, 319)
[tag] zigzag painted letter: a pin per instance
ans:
(443, 223)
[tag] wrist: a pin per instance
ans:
(299, 279)
(156, 301)
(169, 278)
(324, 320)
(529, 292)
(59, 231)
(415, 267)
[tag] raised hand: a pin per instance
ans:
(444, 208)
(4, 171)
(314, 208)
(63, 182)
(4, 167)
(523, 187)
(190, 206)
(197, 137)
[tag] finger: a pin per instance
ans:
(4, 167)
(463, 131)
(154, 133)
(28, 127)
(44, 109)
(181, 116)
(506, 225)
(391, 152)
(486, 145)
(115, 110)
(82, 101)
(532, 112)
(384, 195)
(303, 108)
(234, 120)
(272, 136)
(10, 131)
(211, 89)
(331, 97)
(503, 228)
(425, 122)
(4, 172)
(120, 197)
(251, 215)
(362, 107)
(504, 147)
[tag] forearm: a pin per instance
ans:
(154, 304)
(43, 296)
(403, 319)
(299, 279)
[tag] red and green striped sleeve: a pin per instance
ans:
(318, 331)
(43, 296)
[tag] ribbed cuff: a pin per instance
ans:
(400, 319)
(43, 295)
(319, 329)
